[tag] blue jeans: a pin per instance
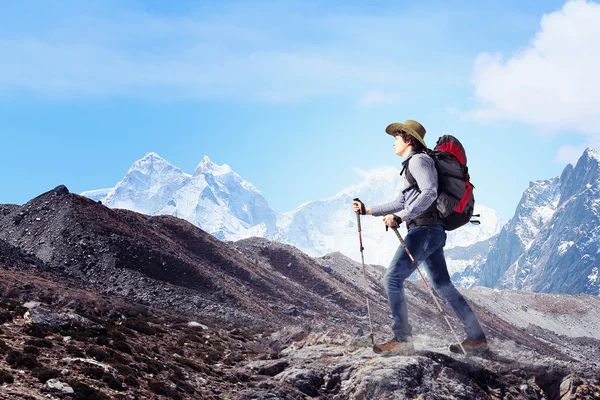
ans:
(425, 243)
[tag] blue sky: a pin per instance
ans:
(294, 96)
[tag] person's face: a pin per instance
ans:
(400, 146)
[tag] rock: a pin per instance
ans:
(565, 388)
(269, 368)
(56, 386)
(307, 381)
(61, 189)
(358, 331)
(269, 394)
(195, 324)
(18, 218)
(43, 316)
(32, 304)
(65, 372)
(291, 310)
(82, 322)
(242, 376)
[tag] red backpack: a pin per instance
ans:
(455, 201)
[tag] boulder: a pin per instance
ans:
(43, 316)
(57, 387)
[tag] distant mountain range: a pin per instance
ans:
(551, 244)
(219, 201)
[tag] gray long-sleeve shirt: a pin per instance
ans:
(413, 203)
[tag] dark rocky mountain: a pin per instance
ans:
(533, 211)
(563, 258)
(551, 243)
(101, 303)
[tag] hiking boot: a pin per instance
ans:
(470, 346)
(395, 348)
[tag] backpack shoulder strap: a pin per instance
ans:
(409, 177)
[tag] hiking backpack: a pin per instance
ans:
(455, 201)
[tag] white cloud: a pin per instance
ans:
(82, 69)
(554, 83)
(245, 51)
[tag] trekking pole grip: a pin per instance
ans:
(358, 214)
(363, 209)
(358, 223)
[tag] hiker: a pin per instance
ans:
(425, 240)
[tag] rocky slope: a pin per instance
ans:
(107, 303)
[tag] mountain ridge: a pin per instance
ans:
(556, 226)
(316, 227)
(173, 312)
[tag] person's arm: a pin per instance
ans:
(388, 208)
(422, 169)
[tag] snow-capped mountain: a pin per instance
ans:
(323, 226)
(220, 202)
(537, 205)
(464, 263)
(213, 198)
(552, 244)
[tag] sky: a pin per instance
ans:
(294, 95)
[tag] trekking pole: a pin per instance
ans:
(364, 272)
(395, 229)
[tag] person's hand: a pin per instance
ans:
(359, 207)
(392, 220)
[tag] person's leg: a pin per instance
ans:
(401, 267)
(438, 273)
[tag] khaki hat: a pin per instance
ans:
(411, 127)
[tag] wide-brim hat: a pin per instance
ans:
(411, 127)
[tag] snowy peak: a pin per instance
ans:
(214, 198)
(589, 160)
(585, 175)
(151, 172)
(592, 154)
(206, 166)
(150, 163)
(536, 207)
